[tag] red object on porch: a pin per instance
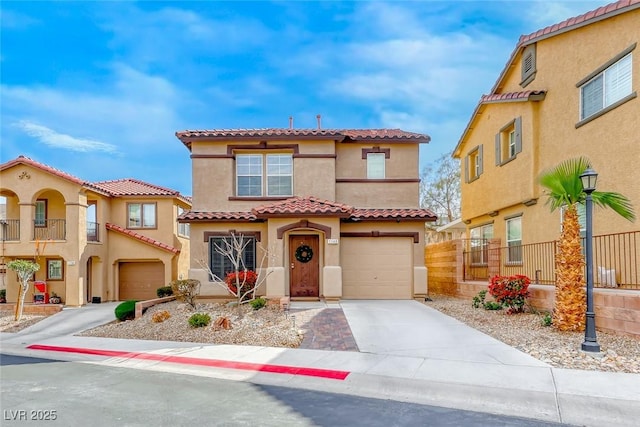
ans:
(43, 296)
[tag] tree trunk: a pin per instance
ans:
(24, 287)
(570, 303)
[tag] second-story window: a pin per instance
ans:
(606, 88)
(183, 228)
(41, 213)
(473, 164)
(252, 181)
(141, 215)
(509, 141)
(375, 165)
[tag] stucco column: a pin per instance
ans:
(27, 213)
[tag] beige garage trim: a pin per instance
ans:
(140, 280)
(376, 267)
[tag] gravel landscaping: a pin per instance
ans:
(273, 327)
(526, 332)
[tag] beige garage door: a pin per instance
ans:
(376, 268)
(140, 280)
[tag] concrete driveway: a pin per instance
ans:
(410, 328)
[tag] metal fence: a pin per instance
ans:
(49, 229)
(10, 230)
(93, 232)
(616, 260)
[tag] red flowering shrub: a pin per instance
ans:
(246, 279)
(510, 291)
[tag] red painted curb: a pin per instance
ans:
(246, 366)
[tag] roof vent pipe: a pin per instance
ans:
(290, 122)
(319, 117)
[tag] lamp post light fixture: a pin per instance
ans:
(589, 178)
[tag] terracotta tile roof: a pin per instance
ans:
(393, 214)
(390, 135)
(30, 162)
(141, 238)
(135, 187)
(193, 216)
(115, 188)
(513, 96)
(570, 24)
(524, 96)
(297, 206)
(580, 20)
(311, 206)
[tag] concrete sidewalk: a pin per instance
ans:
(409, 352)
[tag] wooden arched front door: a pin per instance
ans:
(304, 266)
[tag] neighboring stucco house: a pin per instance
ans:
(567, 90)
(113, 240)
(337, 210)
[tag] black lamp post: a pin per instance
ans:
(589, 178)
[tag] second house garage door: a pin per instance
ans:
(140, 280)
(376, 267)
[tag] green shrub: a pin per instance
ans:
(547, 320)
(258, 303)
(126, 310)
(199, 320)
(3, 294)
(164, 291)
(478, 300)
(492, 305)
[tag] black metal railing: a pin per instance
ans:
(49, 229)
(93, 232)
(616, 260)
(9, 230)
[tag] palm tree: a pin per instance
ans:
(564, 189)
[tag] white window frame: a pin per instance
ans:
(480, 236)
(145, 209)
(376, 168)
(266, 171)
(473, 164)
(184, 229)
(614, 83)
(514, 245)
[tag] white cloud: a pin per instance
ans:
(59, 140)
(130, 107)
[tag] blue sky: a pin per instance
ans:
(98, 89)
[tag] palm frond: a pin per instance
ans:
(615, 201)
(563, 182)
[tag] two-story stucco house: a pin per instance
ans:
(336, 210)
(567, 90)
(112, 240)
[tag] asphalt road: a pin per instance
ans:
(38, 391)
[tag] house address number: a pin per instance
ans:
(332, 241)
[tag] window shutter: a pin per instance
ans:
(466, 168)
(479, 160)
(498, 149)
(518, 129)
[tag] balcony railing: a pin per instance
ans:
(616, 261)
(49, 229)
(9, 230)
(93, 232)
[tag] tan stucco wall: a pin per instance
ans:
(68, 200)
(550, 135)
